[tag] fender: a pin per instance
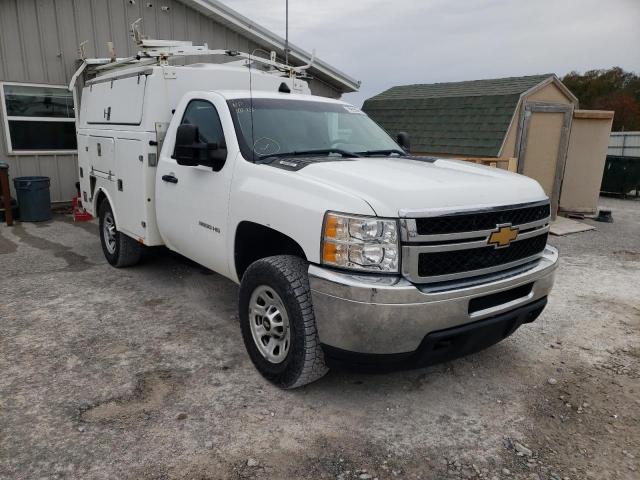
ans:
(263, 195)
(94, 202)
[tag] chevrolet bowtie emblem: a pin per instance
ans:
(503, 236)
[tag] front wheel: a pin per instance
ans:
(277, 322)
(119, 249)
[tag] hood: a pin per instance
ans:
(402, 186)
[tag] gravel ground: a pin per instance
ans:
(141, 373)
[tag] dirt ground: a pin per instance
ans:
(141, 374)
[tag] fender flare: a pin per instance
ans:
(103, 191)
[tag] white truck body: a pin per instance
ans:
(128, 126)
(122, 111)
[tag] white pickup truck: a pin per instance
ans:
(348, 250)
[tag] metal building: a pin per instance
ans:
(624, 144)
(39, 52)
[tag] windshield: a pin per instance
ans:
(290, 127)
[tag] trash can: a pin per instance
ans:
(34, 199)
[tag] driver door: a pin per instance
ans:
(192, 201)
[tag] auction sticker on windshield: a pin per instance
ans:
(352, 109)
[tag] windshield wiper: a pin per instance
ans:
(325, 151)
(370, 153)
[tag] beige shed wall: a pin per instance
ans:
(585, 161)
(549, 93)
(540, 158)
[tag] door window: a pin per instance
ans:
(204, 115)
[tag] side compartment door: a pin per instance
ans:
(117, 101)
(101, 158)
(83, 171)
(192, 201)
(131, 187)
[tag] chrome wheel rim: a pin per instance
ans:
(109, 232)
(269, 324)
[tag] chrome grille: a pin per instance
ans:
(457, 245)
(444, 263)
(468, 222)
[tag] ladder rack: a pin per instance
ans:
(158, 52)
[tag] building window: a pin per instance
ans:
(38, 118)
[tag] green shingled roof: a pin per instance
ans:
(463, 118)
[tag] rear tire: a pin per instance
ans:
(119, 249)
(275, 306)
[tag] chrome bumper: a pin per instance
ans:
(387, 315)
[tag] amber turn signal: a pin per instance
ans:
(329, 252)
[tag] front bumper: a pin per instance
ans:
(389, 315)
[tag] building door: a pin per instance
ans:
(542, 146)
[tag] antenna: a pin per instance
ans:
(286, 32)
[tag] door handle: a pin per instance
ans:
(169, 178)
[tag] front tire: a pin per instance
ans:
(278, 324)
(119, 249)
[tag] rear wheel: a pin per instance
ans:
(119, 249)
(277, 321)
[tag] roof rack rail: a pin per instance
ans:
(158, 52)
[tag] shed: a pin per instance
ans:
(586, 158)
(39, 44)
(520, 123)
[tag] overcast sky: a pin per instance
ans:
(397, 42)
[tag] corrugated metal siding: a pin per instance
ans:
(625, 144)
(39, 44)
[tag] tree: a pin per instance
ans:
(612, 89)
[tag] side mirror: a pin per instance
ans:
(404, 141)
(217, 155)
(190, 152)
(186, 139)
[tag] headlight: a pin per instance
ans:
(360, 243)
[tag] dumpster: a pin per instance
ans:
(34, 199)
(621, 175)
